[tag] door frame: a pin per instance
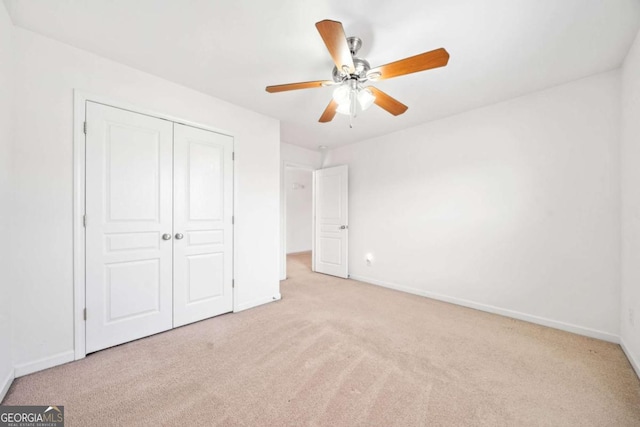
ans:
(80, 99)
(283, 207)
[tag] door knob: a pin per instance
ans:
(179, 236)
(166, 236)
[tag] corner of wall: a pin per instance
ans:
(6, 384)
(8, 7)
(630, 204)
(324, 156)
(7, 73)
(635, 363)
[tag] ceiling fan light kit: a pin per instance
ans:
(352, 98)
(350, 73)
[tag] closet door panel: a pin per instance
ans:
(203, 209)
(128, 210)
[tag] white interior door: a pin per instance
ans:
(128, 210)
(203, 245)
(331, 229)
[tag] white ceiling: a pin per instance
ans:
(232, 49)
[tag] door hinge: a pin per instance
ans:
(233, 155)
(233, 283)
(84, 221)
(84, 314)
(233, 220)
(84, 128)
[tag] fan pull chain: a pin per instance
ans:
(353, 106)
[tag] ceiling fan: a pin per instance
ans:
(350, 73)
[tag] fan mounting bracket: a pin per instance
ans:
(355, 43)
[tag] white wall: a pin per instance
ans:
(6, 282)
(42, 251)
(292, 155)
(299, 192)
(630, 155)
(301, 156)
(512, 208)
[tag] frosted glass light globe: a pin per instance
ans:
(365, 98)
(341, 95)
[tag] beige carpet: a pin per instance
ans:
(341, 353)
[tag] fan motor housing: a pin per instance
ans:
(361, 65)
(361, 68)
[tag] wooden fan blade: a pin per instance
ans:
(388, 103)
(333, 35)
(329, 112)
(424, 61)
(296, 86)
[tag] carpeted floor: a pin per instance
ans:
(335, 352)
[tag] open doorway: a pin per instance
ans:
(298, 216)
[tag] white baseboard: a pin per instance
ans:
(44, 363)
(593, 333)
(257, 302)
(5, 384)
(635, 363)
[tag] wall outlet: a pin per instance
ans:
(632, 315)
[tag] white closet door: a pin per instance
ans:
(331, 230)
(203, 209)
(128, 210)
